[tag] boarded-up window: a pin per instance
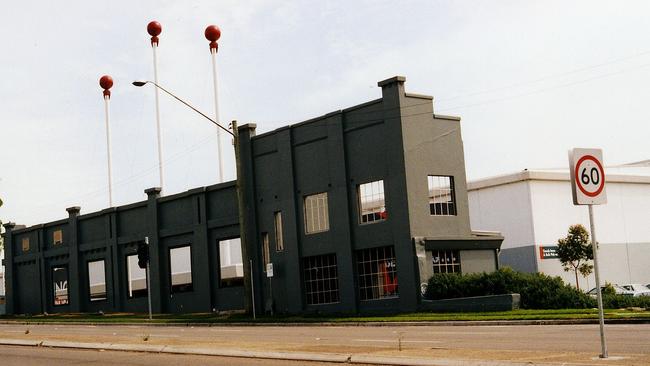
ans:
(25, 244)
(57, 237)
(266, 255)
(279, 237)
(316, 213)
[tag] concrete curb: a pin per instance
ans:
(345, 324)
(291, 356)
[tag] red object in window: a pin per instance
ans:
(390, 279)
(383, 215)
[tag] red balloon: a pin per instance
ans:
(154, 28)
(106, 82)
(212, 33)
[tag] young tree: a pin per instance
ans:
(575, 252)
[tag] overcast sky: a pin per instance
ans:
(530, 80)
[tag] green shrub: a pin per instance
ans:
(538, 291)
(623, 301)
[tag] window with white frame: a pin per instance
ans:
(442, 198)
(316, 213)
(446, 261)
(377, 271)
(321, 279)
(372, 205)
(279, 237)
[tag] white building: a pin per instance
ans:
(533, 209)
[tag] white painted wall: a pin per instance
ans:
(477, 261)
(505, 208)
(622, 229)
(539, 212)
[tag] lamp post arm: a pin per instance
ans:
(191, 107)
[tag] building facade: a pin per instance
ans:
(348, 212)
(535, 209)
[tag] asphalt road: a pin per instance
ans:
(30, 356)
(540, 343)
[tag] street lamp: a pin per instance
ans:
(248, 278)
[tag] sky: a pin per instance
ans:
(530, 80)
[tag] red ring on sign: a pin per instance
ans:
(577, 176)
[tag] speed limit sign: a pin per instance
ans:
(587, 176)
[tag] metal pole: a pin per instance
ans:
(601, 315)
(252, 287)
(213, 51)
(154, 47)
(146, 241)
(271, 293)
(108, 150)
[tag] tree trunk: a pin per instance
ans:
(576, 273)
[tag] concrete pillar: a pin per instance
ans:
(252, 240)
(155, 265)
(112, 260)
(74, 287)
(340, 222)
(9, 267)
(393, 100)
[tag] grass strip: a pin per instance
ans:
(563, 314)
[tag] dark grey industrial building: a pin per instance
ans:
(342, 205)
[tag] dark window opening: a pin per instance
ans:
(136, 278)
(230, 263)
(320, 276)
(180, 265)
(60, 285)
(97, 280)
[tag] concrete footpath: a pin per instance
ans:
(290, 356)
(494, 344)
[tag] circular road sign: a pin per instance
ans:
(589, 176)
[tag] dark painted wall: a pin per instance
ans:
(395, 139)
(199, 218)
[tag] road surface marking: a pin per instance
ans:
(393, 341)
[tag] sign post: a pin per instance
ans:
(269, 274)
(588, 188)
(146, 242)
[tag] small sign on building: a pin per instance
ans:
(269, 270)
(548, 252)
